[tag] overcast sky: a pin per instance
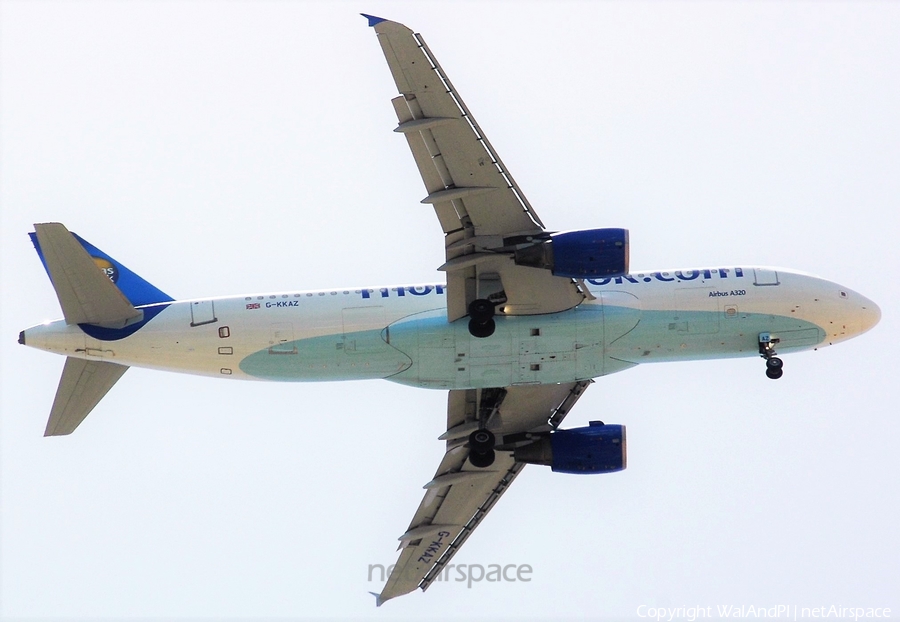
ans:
(241, 147)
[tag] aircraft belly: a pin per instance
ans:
(325, 358)
(534, 349)
(345, 342)
(662, 336)
(715, 320)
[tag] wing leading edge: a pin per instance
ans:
(460, 495)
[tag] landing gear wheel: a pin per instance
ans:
(481, 460)
(482, 441)
(481, 448)
(774, 363)
(483, 329)
(481, 314)
(481, 309)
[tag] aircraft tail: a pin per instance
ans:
(82, 386)
(107, 297)
(88, 295)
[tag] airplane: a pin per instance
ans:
(523, 322)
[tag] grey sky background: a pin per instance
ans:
(244, 147)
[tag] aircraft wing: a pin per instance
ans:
(478, 203)
(460, 495)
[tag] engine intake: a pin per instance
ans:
(598, 448)
(591, 253)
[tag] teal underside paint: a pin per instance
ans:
(589, 341)
(447, 356)
(354, 356)
(664, 336)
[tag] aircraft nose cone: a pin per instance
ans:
(848, 314)
(868, 313)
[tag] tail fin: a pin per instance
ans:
(53, 247)
(102, 302)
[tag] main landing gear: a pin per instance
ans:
(481, 319)
(774, 365)
(481, 448)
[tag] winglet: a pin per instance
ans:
(373, 21)
(378, 601)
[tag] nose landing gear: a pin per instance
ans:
(774, 365)
(481, 318)
(774, 368)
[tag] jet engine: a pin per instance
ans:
(598, 448)
(587, 254)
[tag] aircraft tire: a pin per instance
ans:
(774, 372)
(482, 329)
(481, 460)
(482, 441)
(481, 309)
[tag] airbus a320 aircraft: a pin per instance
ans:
(526, 319)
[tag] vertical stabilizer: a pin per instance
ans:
(82, 386)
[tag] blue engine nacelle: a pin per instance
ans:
(588, 254)
(598, 448)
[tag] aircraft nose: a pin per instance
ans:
(868, 314)
(848, 314)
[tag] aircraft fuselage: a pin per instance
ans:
(401, 333)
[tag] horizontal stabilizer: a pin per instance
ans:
(86, 294)
(82, 386)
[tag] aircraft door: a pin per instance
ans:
(203, 312)
(765, 277)
(281, 339)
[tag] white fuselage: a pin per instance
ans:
(402, 334)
